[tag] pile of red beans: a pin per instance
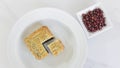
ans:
(94, 20)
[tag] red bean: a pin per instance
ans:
(94, 20)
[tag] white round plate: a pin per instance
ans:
(62, 25)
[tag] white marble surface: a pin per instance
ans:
(104, 50)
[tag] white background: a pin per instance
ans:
(104, 50)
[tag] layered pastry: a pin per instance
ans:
(35, 42)
(42, 41)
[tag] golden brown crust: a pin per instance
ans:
(56, 47)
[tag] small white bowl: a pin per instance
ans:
(108, 22)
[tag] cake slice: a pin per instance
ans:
(56, 47)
